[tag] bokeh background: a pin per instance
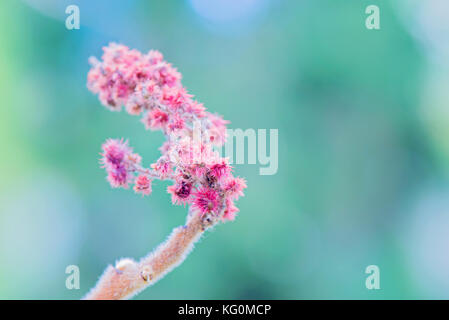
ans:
(363, 120)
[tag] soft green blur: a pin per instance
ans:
(363, 118)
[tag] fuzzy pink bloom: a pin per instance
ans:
(133, 107)
(176, 123)
(155, 57)
(115, 151)
(122, 70)
(234, 187)
(182, 152)
(206, 200)
(149, 88)
(217, 129)
(197, 170)
(142, 185)
(196, 108)
(220, 170)
(174, 97)
(180, 192)
(230, 210)
(167, 75)
(118, 177)
(163, 168)
(155, 119)
(116, 158)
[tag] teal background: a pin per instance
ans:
(363, 118)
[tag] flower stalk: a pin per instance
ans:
(128, 277)
(151, 88)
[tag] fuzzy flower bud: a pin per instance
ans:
(142, 185)
(117, 158)
(207, 201)
(180, 192)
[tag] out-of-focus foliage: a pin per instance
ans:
(363, 147)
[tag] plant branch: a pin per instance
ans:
(129, 277)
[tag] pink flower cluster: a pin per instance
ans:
(150, 87)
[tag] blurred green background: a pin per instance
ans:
(363, 120)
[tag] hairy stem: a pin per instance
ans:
(129, 277)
